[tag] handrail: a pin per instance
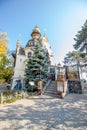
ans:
(45, 86)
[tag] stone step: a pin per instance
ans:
(54, 92)
(52, 95)
(51, 89)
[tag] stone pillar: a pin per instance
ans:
(1, 96)
(40, 86)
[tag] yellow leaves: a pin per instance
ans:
(3, 44)
(3, 47)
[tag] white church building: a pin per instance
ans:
(22, 53)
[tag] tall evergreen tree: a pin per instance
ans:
(37, 64)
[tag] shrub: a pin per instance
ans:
(29, 88)
(11, 96)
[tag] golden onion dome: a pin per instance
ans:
(36, 30)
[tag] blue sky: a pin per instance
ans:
(60, 19)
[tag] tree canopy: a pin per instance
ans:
(79, 46)
(75, 56)
(81, 38)
(6, 69)
(3, 44)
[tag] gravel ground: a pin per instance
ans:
(45, 113)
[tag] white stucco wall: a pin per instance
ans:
(19, 69)
(19, 66)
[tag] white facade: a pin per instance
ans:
(22, 54)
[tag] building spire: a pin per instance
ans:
(18, 43)
(18, 46)
(44, 34)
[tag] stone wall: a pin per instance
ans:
(74, 86)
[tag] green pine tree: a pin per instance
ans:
(37, 65)
(81, 38)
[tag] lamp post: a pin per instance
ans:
(66, 73)
(86, 47)
(59, 66)
(78, 66)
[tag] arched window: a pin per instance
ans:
(30, 43)
(29, 54)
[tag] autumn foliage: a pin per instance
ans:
(3, 44)
(6, 69)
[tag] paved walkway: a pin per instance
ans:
(46, 113)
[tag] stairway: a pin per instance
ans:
(51, 89)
